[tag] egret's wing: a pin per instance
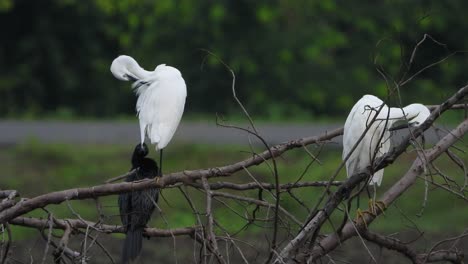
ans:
(160, 105)
(353, 129)
(377, 178)
(356, 124)
(145, 106)
(173, 99)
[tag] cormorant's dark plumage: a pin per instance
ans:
(136, 207)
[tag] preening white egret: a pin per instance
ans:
(161, 99)
(376, 141)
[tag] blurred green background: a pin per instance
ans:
(293, 59)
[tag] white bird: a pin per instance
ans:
(376, 141)
(161, 99)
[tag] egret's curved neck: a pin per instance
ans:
(138, 72)
(392, 113)
(418, 112)
(413, 111)
(410, 112)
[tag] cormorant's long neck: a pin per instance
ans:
(137, 159)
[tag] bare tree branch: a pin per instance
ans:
(210, 222)
(10, 194)
(81, 224)
(263, 185)
(453, 256)
(28, 205)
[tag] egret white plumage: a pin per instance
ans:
(161, 99)
(376, 142)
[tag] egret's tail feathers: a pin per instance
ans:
(166, 133)
(377, 178)
(153, 135)
(132, 245)
(142, 132)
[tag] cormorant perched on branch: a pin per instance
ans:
(136, 207)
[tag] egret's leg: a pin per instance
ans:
(359, 213)
(360, 216)
(373, 209)
(373, 205)
(358, 197)
(160, 161)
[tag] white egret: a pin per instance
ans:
(161, 99)
(376, 142)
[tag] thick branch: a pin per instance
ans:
(390, 243)
(453, 107)
(10, 194)
(394, 244)
(170, 179)
(263, 185)
(442, 255)
(80, 224)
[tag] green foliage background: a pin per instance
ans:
(292, 58)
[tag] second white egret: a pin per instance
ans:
(376, 142)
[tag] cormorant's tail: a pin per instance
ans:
(132, 245)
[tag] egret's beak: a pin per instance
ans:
(130, 78)
(402, 126)
(394, 128)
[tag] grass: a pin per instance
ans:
(34, 168)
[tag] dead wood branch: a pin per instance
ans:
(452, 256)
(81, 224)
(263, 185)
(26, 206)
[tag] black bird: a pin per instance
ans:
(136, 207)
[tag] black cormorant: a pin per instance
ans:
(136, 207)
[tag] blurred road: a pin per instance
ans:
(115, 132)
